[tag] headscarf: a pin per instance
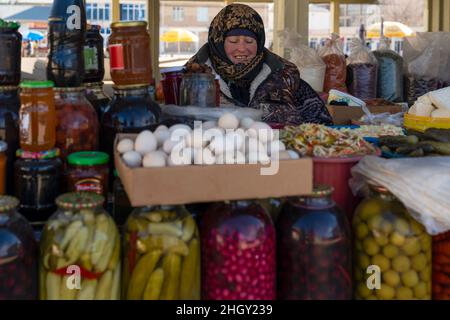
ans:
(236, 19)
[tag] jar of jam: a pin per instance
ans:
(314, 249)
(171, 82)
(9, 129)
(129, 53)
(198, 89)
(441, 266)
(37, 183)
(238, 252)
(121, 203)
(77, 122)
(3, 161)
(88, 172)
(162, 255)
(10, 53)
(81, 236)
(18, 254)
(37, 116)
(94, 69)
(97, 97)
(386, 236)
(131, 111)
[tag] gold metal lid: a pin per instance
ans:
(8, 88)
(320, 191)
(128, 24)
(131, 86)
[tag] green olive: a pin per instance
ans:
(387, 227)
(420, 291)
(410, 278)
(397, 239)
(404, 293)
(371, 247)
(401, 264)
(369, 208)
(419, 262)
(386, 292)
(363, 261)
(381, 261)
(375, 223)
(417, 228)
(362, 291)
(391, 278)
(426, 242)
(390, 251)
(411, 246)
(382, 240)
(425, 274)
(362, 231)
(402, 227)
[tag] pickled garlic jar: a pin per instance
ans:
(18, 254)
(80, 238)
(162, 255)
(441, 266)
(238, 252)
(314, 249)
(387, 237)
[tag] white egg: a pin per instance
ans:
(282, 155)
(125, 145)
(180, 126)
(161, 127)
(204, 157)
(275, 147)
(163, 153)
(195, 139)
(262, 131)
(154, 159)
(246, 123)
(228, 121)
(169, 144)
(145, 142)
(209, 125)
(161, 136)
(132, 159)
(181, 156)
(294, 155)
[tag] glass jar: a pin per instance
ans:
(80, 237)
(18, 254)
(9, 129)
(441, 266)
(3, 161)
(171, 83)
(387, 237)
(94, 69)
(314, 249)
(10, 55)
(37, 116)
(97, 97)
(129, 53)
(121, 203)
(37, 183)
(77, 122)
(162, 255)
(88, 172)
(198, 89)
(238, 252)
(131, 111)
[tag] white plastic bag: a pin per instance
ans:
(421, 184)
(307, 60)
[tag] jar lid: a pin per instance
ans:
(14, 25)
(79, 200)
(128, 24)
(8, 88)
(93, 84)
(71, 89)
(8, 203)
(41, 155)
(172, 69)
(320, 191)
(3, 146)
(28, 84)
(132, 86)
(88, 158)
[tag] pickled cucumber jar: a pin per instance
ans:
(162, 255)
(18, 254)
(391, 244)
(314, 249)
(80, 251)
(238, 252)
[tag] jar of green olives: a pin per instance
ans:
(388, 241)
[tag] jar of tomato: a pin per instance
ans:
(77, 122)
(37, 116)
(129, 52)
(238, 252)
(88, 172)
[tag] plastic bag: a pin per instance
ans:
(311, 66)
(421, 184)
(336, 66)
(362, 71)
(384, 118)
(390, 73)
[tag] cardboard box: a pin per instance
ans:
(194, 184)
(343, 115)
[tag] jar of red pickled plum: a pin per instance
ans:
(18, 254)
(171, 83)
(238, 252)
(314, 249)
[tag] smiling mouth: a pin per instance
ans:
(241, 58)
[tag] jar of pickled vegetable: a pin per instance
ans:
(37, 116)
(238, 252)
(80, 239)
(314, 249)
(121, 203)
(77, 122)
(162, 255)
(392, 243)
(37, 180)
(97, 97)
(18, 254)
(441, 266)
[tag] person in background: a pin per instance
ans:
(252, 76)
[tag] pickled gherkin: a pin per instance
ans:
(80, 251)
(386, 236)
(162, 255)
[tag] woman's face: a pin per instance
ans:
(240, 49)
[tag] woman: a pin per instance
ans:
(252, 76)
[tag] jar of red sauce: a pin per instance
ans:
(171, 82)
